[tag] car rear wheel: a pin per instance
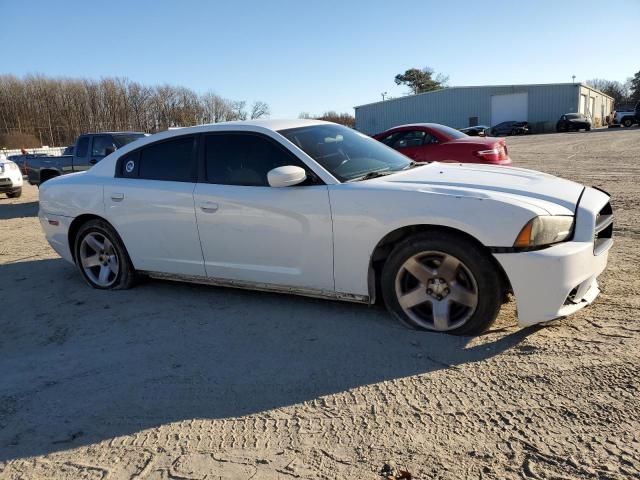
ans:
(101, 257)
(442, 282)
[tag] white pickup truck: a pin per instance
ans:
(627, 117)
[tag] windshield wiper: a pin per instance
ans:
(370, 175)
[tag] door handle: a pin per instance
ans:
(209, 207)
(93, 161)
(117, 197)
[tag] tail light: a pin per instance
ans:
(496, 154)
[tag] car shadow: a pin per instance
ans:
(80, 365)
(17, 210)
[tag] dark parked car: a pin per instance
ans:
(509, 128)
(573, 121)
(477, 131)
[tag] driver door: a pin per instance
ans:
(251, 232)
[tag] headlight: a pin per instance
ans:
(11, 166)
(545, 230)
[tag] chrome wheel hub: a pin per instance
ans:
(436, 290)
(99, 259)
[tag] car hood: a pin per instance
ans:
(555, 195)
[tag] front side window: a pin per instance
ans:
(346, 153)
(244, 159)
(172, 160)
(410, 138)
(102, 146)
(83, 147)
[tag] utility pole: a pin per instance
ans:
(383, 95)
(573, 77)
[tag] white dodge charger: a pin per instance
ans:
(318, 209)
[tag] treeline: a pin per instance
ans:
(54, 111)
(331, 116)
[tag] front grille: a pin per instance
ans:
(604, 230)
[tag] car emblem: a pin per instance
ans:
(130, 166)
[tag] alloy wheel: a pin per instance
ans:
(99, 259)
(436, 290)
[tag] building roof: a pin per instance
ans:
(580, 84)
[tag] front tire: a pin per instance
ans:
(15, 194)
(102, 258)
(442, 282)
(627, 122)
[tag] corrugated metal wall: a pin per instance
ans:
(454, 106)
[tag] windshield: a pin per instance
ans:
(122, 139)
(345, 153)
(448, 131)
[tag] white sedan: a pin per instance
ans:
(318, 209)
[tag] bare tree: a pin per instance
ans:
(259, 109)
(57, 110)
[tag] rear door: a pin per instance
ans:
(150, 203)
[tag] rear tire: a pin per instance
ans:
(15, 194)
(459, 291)
(102, 258)
(588, 129)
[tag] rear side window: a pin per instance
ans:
(173, 160)
(244, 159)
(82, 147)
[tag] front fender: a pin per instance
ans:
(362, 218)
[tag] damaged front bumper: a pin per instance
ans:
(560, 280)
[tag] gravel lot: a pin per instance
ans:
(190, 382)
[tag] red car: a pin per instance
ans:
(431, 142)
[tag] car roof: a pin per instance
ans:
(269, 127)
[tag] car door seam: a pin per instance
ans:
(333, 247)
(195, 214)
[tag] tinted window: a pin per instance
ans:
(82, 147)
(240, 159)
(102, 146)
(345, 153)
(124, 138)
(171, 160)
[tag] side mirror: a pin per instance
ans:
(286, 176)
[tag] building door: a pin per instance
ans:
(510, 107)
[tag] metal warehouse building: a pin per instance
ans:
(541, 105)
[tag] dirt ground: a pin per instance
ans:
(176, 381)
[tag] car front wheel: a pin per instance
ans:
(101, 257)
(627, 122)
(442, 282)
(15, 194)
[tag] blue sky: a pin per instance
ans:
(316, 56)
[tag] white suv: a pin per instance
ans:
(10, 178)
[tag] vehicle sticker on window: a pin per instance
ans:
(130, 165)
